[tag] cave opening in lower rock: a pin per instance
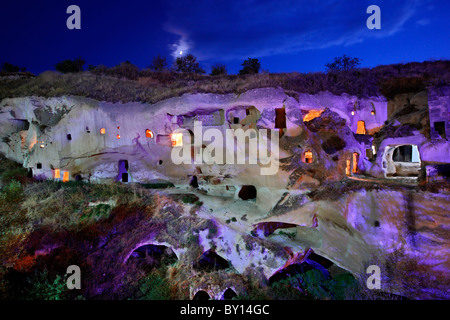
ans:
(247, 193)
(229, 294)
(151, 256)
(211, 261)
(201, 295)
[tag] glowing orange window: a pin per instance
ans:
(361, 129)
(177, 139)
(56, 174)
(308, 156)
(149, 133)
(102, 131)
(355, 162)
(347, 168)
(118, 136)
(66, 176)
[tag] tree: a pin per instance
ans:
(250, 66)
(159, 63)
(68, 65)
(9, 67)
(344, 63)
(187, 64)
(218, 69)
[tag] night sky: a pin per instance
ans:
(285, 36)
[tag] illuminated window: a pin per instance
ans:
(42, 145)
(177, 139)
(102, 131)
(355, 162)
(118, 136)
(347, 168)
(56, 174)
(149, 133)
(373, 112)
(353, 113)
(361, 129)
(312, 114)
(308, 157)
(66, 176)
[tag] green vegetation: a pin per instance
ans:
(114, 84)
(155, 287)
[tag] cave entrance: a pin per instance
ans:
(211, 261)
(201, 295)
(123, 170)
(361, 127)
(194, 182)
(280, 120)
(439, 127)
(229, 294)
(150, 256)
(247, 192)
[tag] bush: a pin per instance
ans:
(187, 64)
(8, 67)
(344, 63)
(159, 63)
(218, 69)
(250, 66)
(155, 287)
(70, 66)
(13, 174)
(12, 192)
(42, 289)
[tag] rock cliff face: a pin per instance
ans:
(323, 139)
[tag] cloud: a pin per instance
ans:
(248, 28)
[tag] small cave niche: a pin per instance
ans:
(69, 136)
(247, 192)
(211, 261)
(194, 182)
(78, 177)
(229, 294)
(308, 156)
(150, 255)
(201, 295)
(376, 223)
(38, 165)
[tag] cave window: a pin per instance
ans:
(439, 127)
(102, 130)
(308, 157)
(361, 128)
(406, 153)
(39, 165)
(403, 154)
(347, 168)
(280, 118)
(78, 177)
(65, 176)
(177, 139)
(56, 174)
(118, 136)
(355, 162)
(236, 120)
(247, 192)
(69, 137)
(148, 133)
(87, 130)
